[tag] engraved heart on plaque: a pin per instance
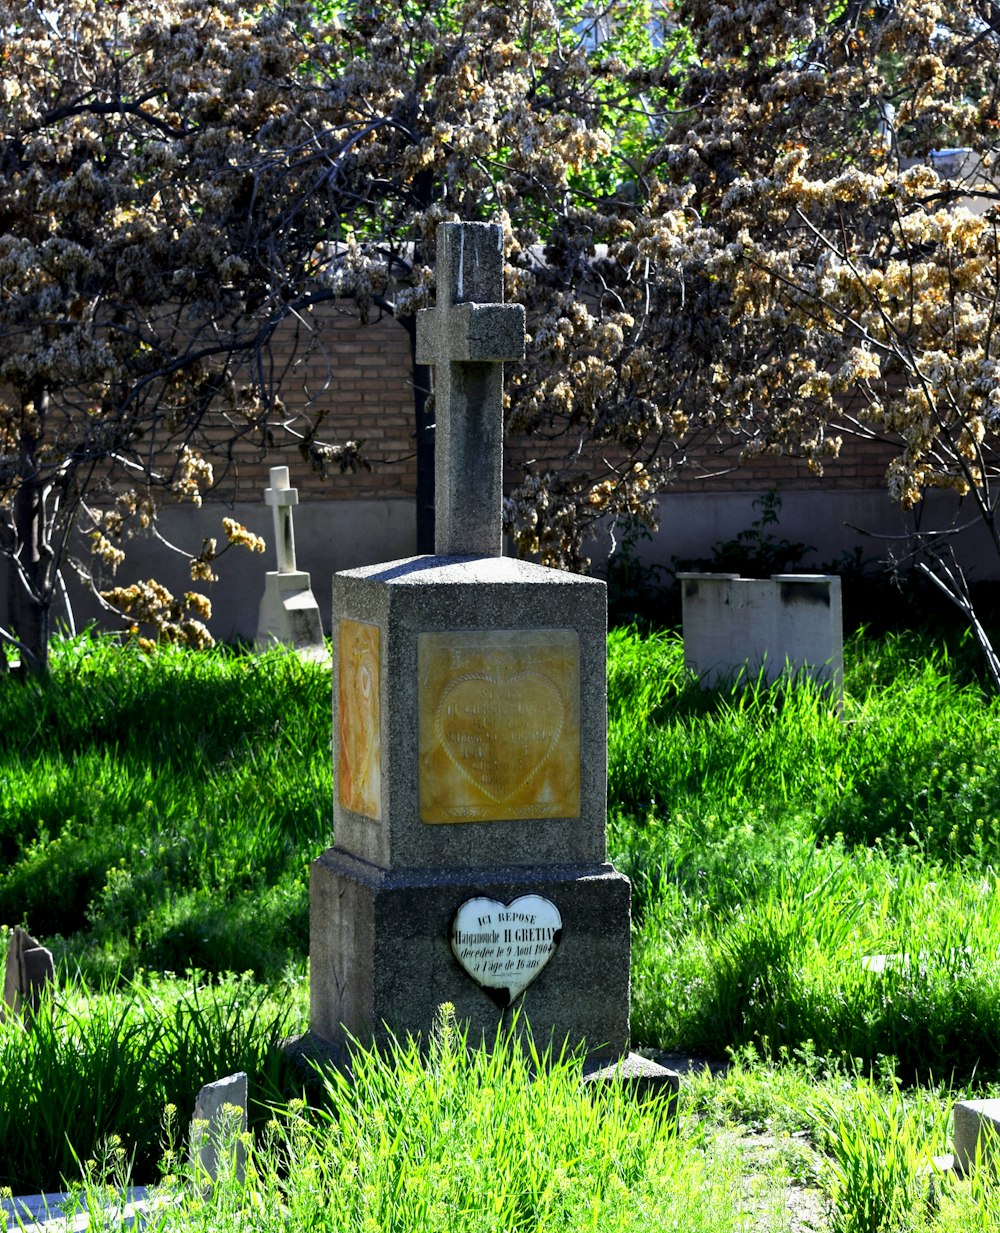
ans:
(503, 946)
(500, 731)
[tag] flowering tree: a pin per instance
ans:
(545, 115)
(178, 184)
(711, 214)
(862, 269)
(160, 201)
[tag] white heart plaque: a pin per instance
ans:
(503, 946)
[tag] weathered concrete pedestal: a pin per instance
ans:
(385, 936)
(289, 614)
(785, 623)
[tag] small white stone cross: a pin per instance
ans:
(467, 336)
(281, 498)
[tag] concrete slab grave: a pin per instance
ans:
(788, 622)
(288, 614)
(470, 733)
(67, 1212)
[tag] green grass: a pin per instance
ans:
(774, 841)
(785, 967)
(103, 1065)
(910, 758)
(175, 802)
(459, 1140)
(873, 1149)
(453, 1140)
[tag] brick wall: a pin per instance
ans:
(360, 379)
(862, 464)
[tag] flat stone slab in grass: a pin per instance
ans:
(977, 1127)
(55, 1212)
(953, 959)
(642, 1078)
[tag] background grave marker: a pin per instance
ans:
(29, 969)
(788, 622)
(288, 612)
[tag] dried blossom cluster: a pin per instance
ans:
(844, 157)
(180, 621)
(159, 212)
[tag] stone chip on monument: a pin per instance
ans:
(470, 732)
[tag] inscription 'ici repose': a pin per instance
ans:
(503, 947)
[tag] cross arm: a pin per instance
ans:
(470, 333)
(278, 497)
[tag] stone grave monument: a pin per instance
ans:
(219, 1122)
(976, 1133)
(288, 612)
(470, 745)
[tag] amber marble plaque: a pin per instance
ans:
(359, 761)
(499, 725)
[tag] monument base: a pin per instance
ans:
(381, 957)
(289, 615)
(309, 1057)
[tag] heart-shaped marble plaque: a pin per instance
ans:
(502, 946)
(520, 720)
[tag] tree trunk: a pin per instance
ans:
(424, 426)
(425, 191)
(30, 597)
(30, 577)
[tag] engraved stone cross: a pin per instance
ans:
(281, 498)
(467, 336)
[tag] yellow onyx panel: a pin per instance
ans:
(499, 714)
(359, 759)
